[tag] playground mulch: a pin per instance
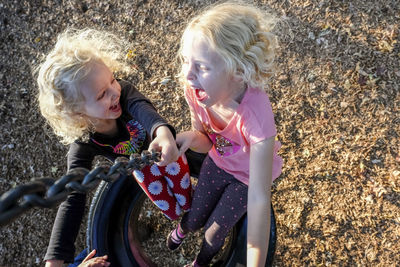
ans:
(337, 108)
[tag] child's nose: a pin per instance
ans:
(113, 96)
(190, 75)
(113, 93)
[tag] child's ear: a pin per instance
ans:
(237, 77)
(81, 115)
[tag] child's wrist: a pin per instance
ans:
(163, 131)
(54, 263)
(197, 133)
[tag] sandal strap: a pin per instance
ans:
(178, 239)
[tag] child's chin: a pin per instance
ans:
(116, 115)
(201, 99)
(202, 103)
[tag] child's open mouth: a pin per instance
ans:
(116, 107)
(200, 94)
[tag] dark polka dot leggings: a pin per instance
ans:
(219, 201)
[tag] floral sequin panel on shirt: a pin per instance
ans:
(223, 146)
(137, 136)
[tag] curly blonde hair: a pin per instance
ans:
(70, 61)
(242, 35)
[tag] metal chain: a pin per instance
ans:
(48, 192)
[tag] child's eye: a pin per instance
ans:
(203, 67)
(101, 95)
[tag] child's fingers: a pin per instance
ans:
(183, 149)
(169, 153)
(90, 255)
(165, 159)
(95, 262)
(154, 146)
(102, 258)
(100, 261)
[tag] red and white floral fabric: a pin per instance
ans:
(169, 187)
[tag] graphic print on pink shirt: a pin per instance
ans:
(224, 146)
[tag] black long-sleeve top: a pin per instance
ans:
(136, 126)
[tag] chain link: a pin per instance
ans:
(48, 192)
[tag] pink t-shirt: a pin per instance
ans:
(252, 122)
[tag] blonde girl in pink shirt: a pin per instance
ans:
(227, 55)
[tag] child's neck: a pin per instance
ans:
(107, 127)
(222, 113)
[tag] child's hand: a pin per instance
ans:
(184, 141)
(195, 140)
(54, 263)
(89, 261)
(165, 142)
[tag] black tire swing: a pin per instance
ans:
(114, 229)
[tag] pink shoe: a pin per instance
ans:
(175, 238)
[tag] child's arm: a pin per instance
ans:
(66, 228)
(70, 212)
(161, 133)
(195, 139)
(141, 109)
(92, 261)
(259, 201)
(164, 141)
(54, 263)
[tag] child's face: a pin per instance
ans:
(101, 92)
(205, 72)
